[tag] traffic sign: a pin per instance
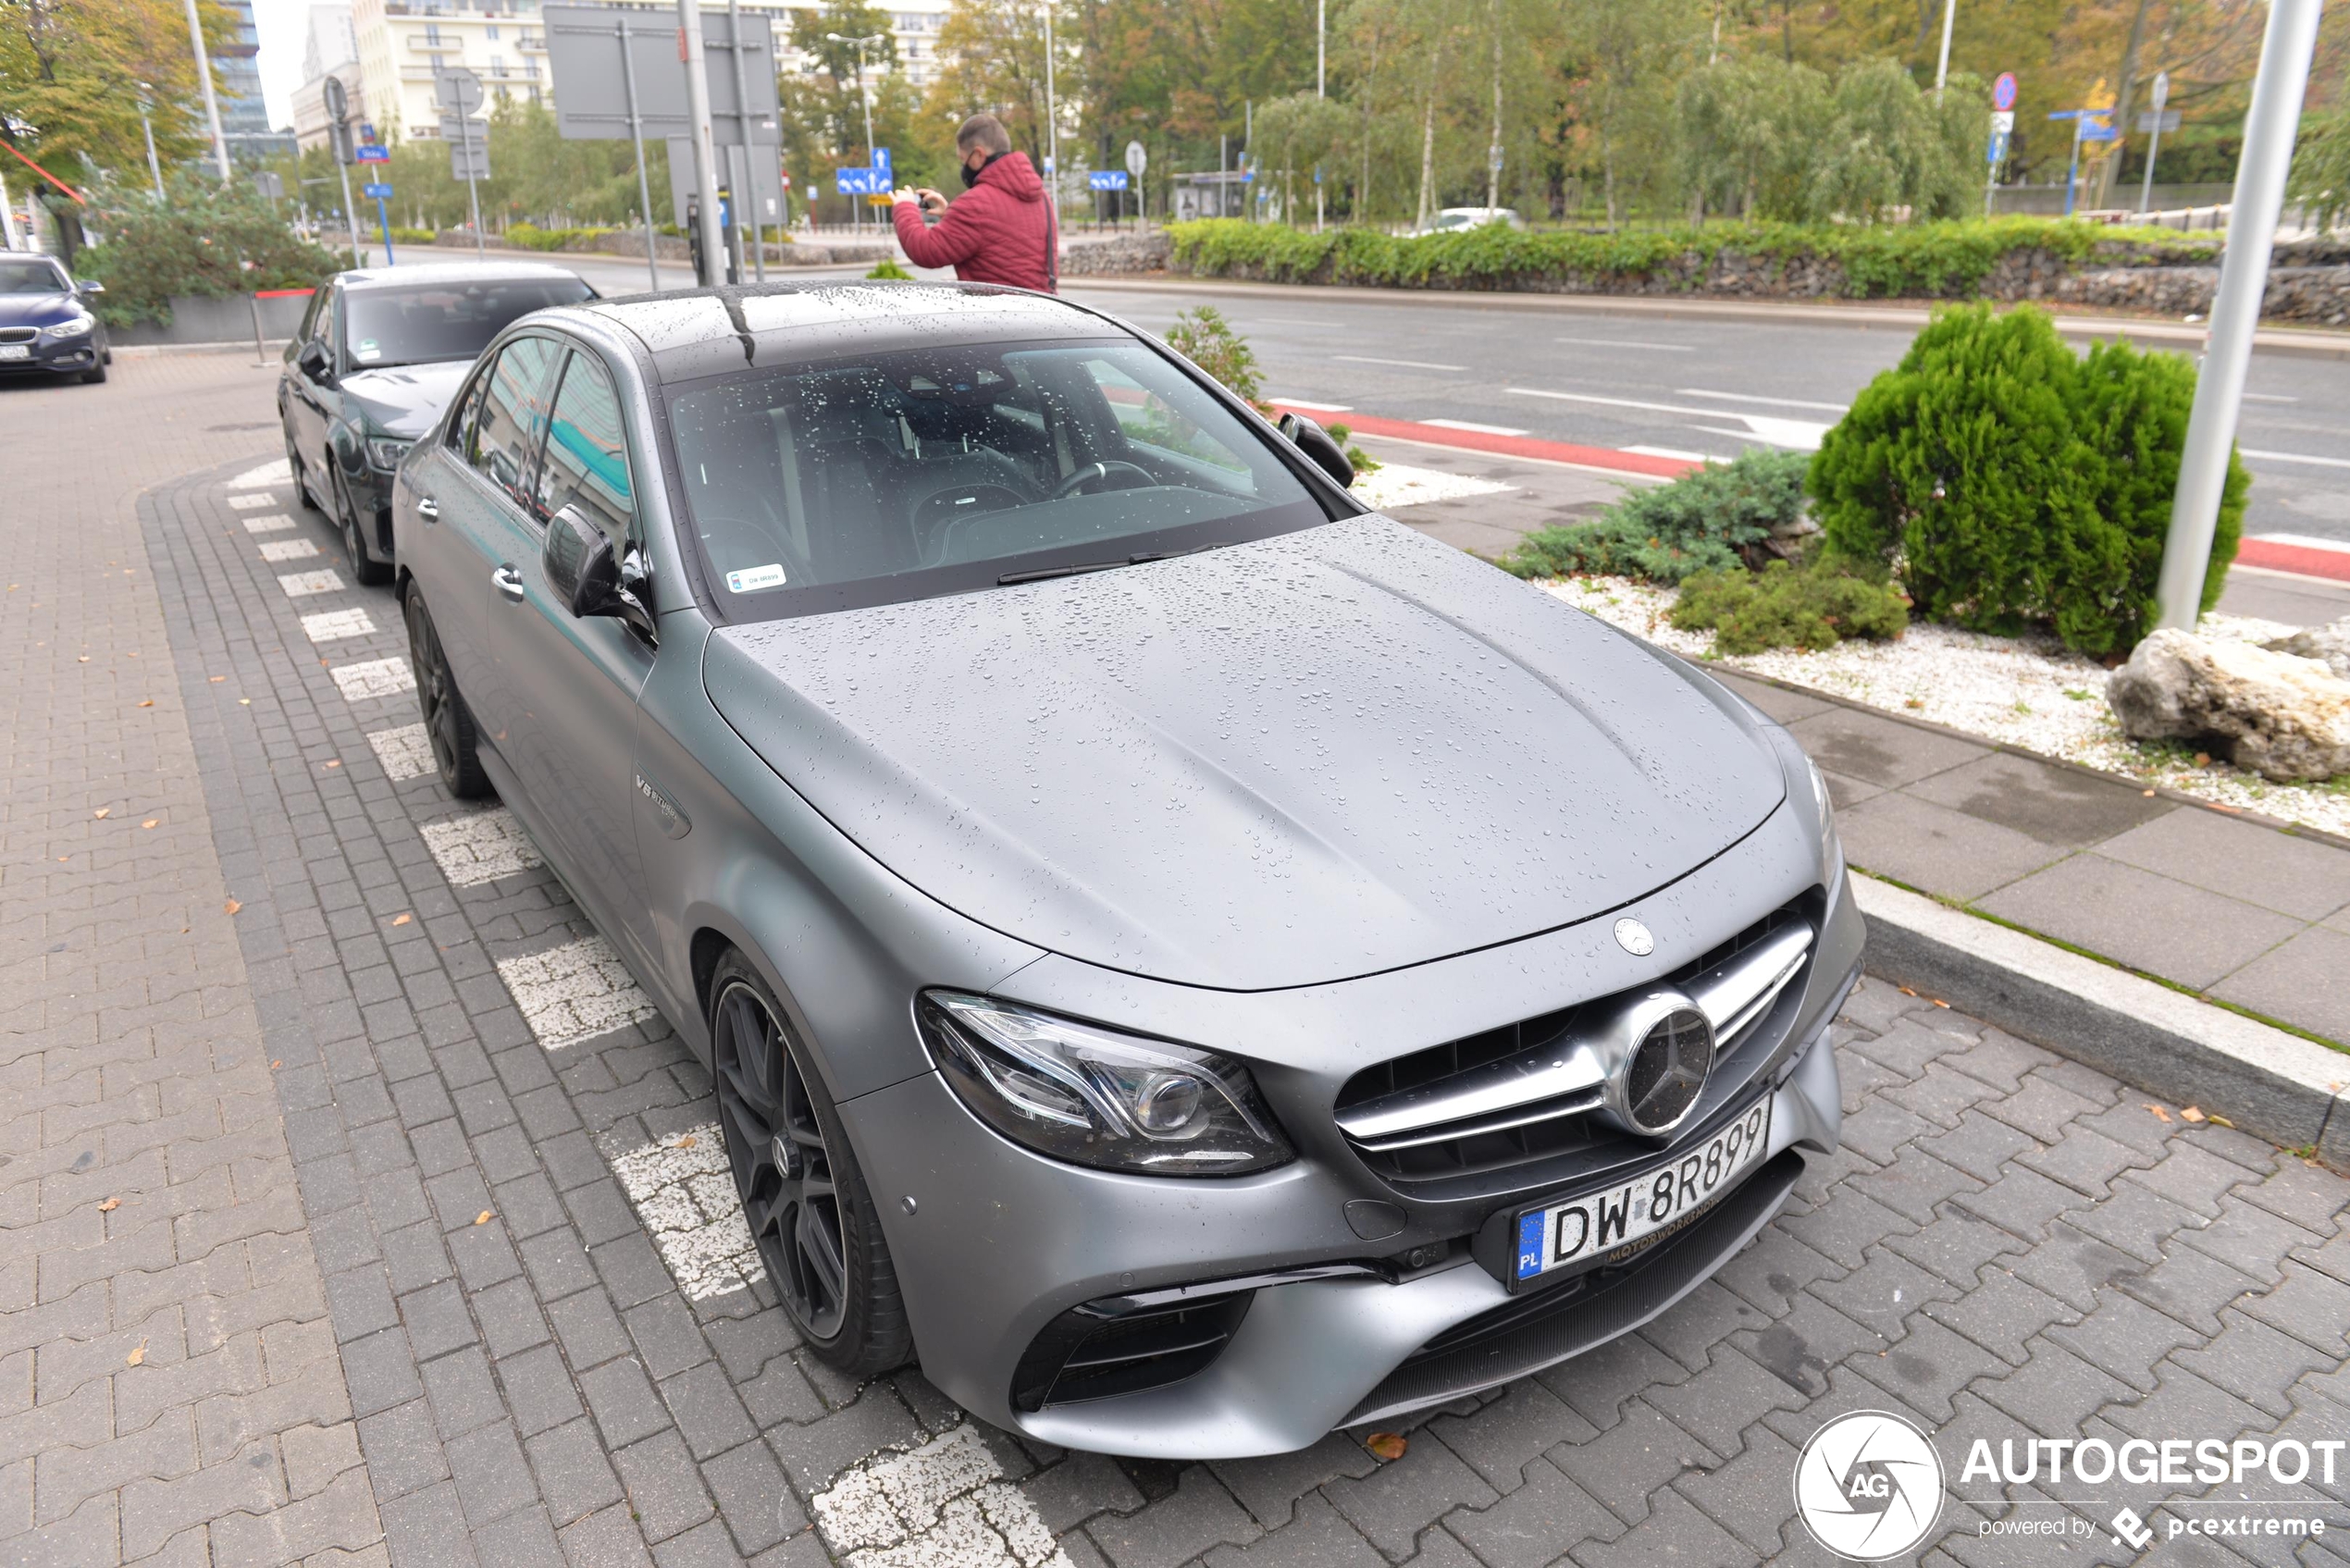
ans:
(2003, 91)
(375, 192)
(1107, 180)
(335, 98)
(371, 153)
(2003, 121)
(1137, 159)
(2166, 119)
(459, 90)
(1996, 153)
(860, 182)
(881, 165)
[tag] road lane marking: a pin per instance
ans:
(480, 846)
(574, 993)
(269, 524)
(1803, 435)
(287, 550)
(405, 752)
(376, 677)
(945, 1501)
(683, 1189)
(1677, 453)
(334, 625)
(301, 584)
(1473, 427)
(1751, 398)
(1614, 403)
(2267, 398)
(1315, 408)
(1620, 343)
(1405, 363)
(2303, 541)
(274, 473)
(2296, 457)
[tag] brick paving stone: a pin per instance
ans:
(1525, 1529)
(1393, 1503)
(1199, 1515)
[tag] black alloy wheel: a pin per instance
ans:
(449, 723)
(367, 573)
(802, 1193)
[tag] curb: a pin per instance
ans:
(2278, 1086)
(2283, 341)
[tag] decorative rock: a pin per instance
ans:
(2329, 645)
(2283, 717)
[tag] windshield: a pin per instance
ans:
(443, 321)
(18, 276)
(929, 471)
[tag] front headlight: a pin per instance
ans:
(386, 453)
(1831, 848)
(1080, 1093)
(75, 326)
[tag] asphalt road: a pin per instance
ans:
(610, 275)
(1692, 387)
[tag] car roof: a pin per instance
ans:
(695, 332)
(450, 272)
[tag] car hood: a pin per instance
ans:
(404, 399)
(38, 310)
(1283, 763)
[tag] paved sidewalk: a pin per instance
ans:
(171, 1384)
(2213, 901)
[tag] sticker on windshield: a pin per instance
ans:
(367, 349)
(750, 579)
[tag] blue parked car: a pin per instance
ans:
(46, 324)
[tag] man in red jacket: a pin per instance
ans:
(1000, 229)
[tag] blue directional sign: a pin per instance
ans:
(860, 182)
(375, 192)
(371, 153)
(1107, 180)
(881, 165)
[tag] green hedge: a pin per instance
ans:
(530, 237)
(1909, 261)
(204, 240)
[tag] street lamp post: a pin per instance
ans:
(211, 103)
(1942, 71)
(154, 167)
(864, 91)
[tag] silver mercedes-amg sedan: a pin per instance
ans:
(1191, 961)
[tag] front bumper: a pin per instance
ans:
(71, 357)
(999, 1243)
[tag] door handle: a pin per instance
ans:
(428, 509)
(508, 582)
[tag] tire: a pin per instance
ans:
(802, 1191)
(365, 571)
(293, 467)
(95, 376)
(449, 723)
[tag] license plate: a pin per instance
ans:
(1611, 1225)
(15, 351)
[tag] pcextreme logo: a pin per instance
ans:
(1868, 1485)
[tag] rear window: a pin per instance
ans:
(940, 470)
(443, 321)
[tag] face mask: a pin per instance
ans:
(971, 174)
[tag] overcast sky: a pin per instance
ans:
(284, 25)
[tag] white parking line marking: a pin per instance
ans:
(1677, 453)
(480, 846)
(1404, 363)
(574, 992)
(268, 523)
(1473, 427)
(1397, 485)
(287, 550)
(1315, 408)
(377, 677)
(275, 473)
(405, 753)
(1751, 398)
(2296, 457)
(1801, 434)
(246, 503)
(301, 585)
(683, 1189)
(1614, 403)
(1620, 343)
(333, 625)
(944, 1502)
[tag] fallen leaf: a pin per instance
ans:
(335, 762)
(1913, 702)
(2202, 759)
(138, 1354)
(401, 919)
(149, 703)
(2147, 793)
(218, 679)
(685, 1143)
(230, 907)
(2159, 1114)
(244, 703)
(482, 1219)
(102, 811)
(1905, 990)
(110, 1205)
(2192, 1114)
(1389, 1446)
(81, 659)
(276, 1064)
(150, 821)
(2216, 1120)
(1940, 1003)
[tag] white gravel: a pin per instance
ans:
(1394, 485)
(2028, 692)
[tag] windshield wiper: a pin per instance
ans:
(1078, 569)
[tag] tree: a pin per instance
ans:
(2321, 177)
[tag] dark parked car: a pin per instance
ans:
(47, 325)
(1193, 961)
(377, 355)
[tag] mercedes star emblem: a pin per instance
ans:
(1634, 937)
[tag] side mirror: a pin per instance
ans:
(313, 362)
(1315, 443)
(582, 569)
(89, 288)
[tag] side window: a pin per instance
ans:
(469, 409)
(314, 312)
(586, 463)
(514, 416)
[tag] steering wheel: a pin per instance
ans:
(1098, 471)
